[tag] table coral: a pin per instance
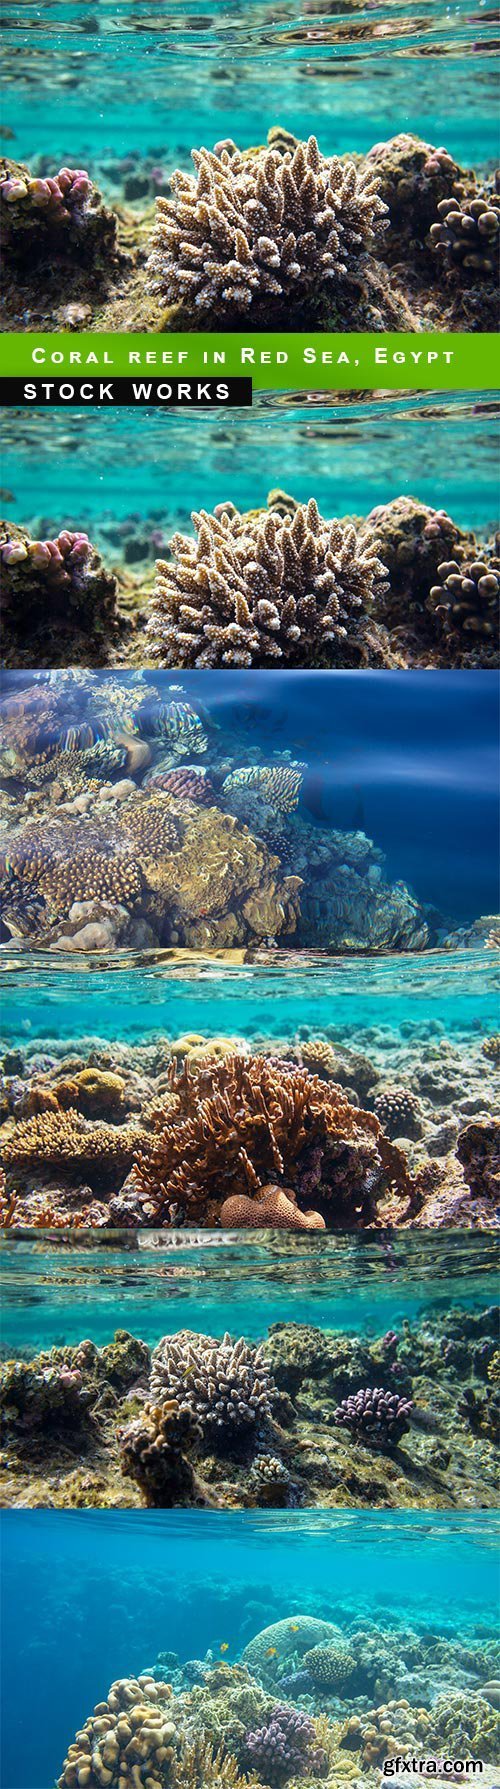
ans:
(263, 588)
(243, 1120)
(250, 234)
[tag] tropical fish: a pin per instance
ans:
(224, 1646)
(271, 1652)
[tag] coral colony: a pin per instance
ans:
(276, 588)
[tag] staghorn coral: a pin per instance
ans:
(285, 1747)
(56, 594)
(399, 1112)
(57, 218)
(375, 1416)
(467, 238)
(329, 1666)
(250, 234)
(131, 1737)
(264, 588)
(223, 1388)
(242, 1120)
(465, 605)
(202, 1766)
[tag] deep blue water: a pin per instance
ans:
(411, 761)
(74, 468)
(53, 1296)
(88, 1597)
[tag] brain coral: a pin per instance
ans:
(262, 589)
(331, 1665)
(246, 1120)
(283, 1640)
(249, 234)
(224, 1387)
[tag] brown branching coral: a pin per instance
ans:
(465, 605)
(249, 234)
(244, 1122)
(263, 588)
(467, 236)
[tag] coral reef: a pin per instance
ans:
(468, 1726)
(251, 234)
(386, 1732)
(376, 1416)
(330, 1666)
(58, 600)
(399, 1111)
(262, 589)
(239, 1122)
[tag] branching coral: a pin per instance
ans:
(224, 1387)
(285, 1747)
(249, 234)
(58, 216)
(465, 605)
(66, 1138)
(263, 588)
(376, 1416)
(246, 1120)
(467, 236)
(52, 592)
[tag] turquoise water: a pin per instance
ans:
(88, 1597)
(53, 1297)
(158, 87)
(436, 997)
(74, 468)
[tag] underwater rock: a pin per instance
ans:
(59, 603)
(262, 589)
(253, 233)
(236, 1123)
(478, 1149)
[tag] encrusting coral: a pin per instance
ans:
(252, 233)
(261, 589)
(240, 1122)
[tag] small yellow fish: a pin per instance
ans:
(224, 1646)
(271, 1652)
(294, 1627)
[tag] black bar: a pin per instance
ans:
(185, 394)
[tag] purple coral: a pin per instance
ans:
(376, 1416)
(56, 559)
(59, 195)
(286, 1746)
